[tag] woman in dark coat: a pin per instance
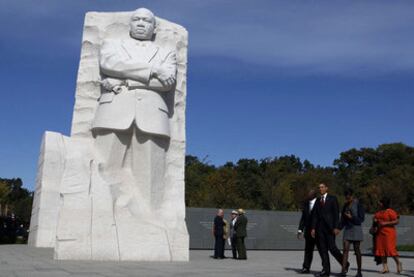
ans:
(352, 216)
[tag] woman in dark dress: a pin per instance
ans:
(352, 216)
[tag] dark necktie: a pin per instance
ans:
(323, 201)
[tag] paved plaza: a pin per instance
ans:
(21, 260)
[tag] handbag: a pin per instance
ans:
(374, 229)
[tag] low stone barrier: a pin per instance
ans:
(275, 230)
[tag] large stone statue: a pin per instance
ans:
(132, 121)
(114, 190)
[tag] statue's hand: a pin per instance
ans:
(110, 84)
(163, 75)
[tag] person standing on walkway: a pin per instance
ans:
(232, 237)
(226, 234)
(325, 227)
(241, 233)
(305, 230)
(386, 235)
(218, 233)
(352, 216)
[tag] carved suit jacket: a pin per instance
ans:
(141, 98)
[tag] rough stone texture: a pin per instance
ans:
(70, 207)
(20, 260)
(58, 161)
(46, 195)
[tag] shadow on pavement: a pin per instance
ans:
(298, 270)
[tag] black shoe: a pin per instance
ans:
(342, 274)
(242, 258)
(304, 270)
(323, 274)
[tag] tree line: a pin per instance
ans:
(15, 199)
(278, 183)
(281, 183)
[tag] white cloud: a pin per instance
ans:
(301, 37)
(373, 37)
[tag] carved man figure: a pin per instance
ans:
(131, 124)
(114, 189)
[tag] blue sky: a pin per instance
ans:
(266, 78)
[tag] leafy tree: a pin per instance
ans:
(15, 199)
(374, 173)
(281, 183)
(196, 173)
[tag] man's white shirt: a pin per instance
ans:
(323, 197)
(312, 204)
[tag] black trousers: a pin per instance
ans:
(310, 243)
(326, 242)
(219, 247)
(233, 241)
(241, 248)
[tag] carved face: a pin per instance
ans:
(142, 24)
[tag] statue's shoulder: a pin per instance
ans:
(109, 46)
(110, 41)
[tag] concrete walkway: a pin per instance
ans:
(21, 260)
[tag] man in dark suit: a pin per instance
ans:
(305, 230)
(325, 227)
(218, 233)
(241, 233)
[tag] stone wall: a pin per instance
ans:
(269, 230)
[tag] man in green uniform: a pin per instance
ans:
(240, 228)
